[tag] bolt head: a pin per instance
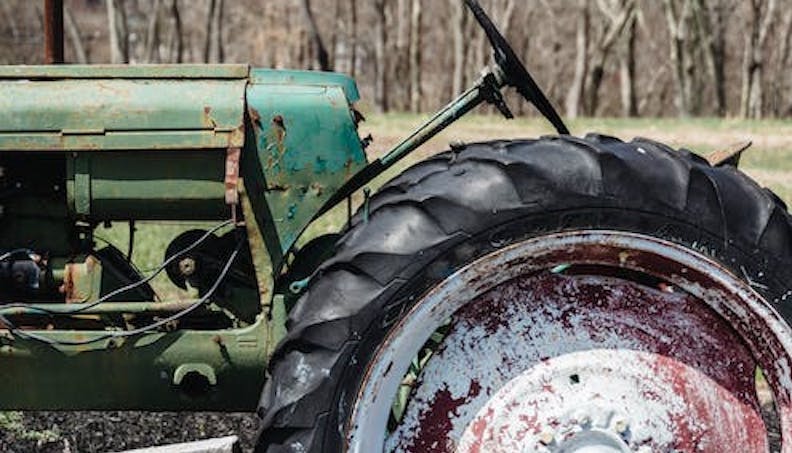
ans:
(547, 437)
(187, 266)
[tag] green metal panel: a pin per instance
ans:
(306, 78)
(147, 185)
(135, 373)
(306, 142)
(167, 71)
(115, 113)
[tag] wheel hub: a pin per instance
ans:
(590, 359)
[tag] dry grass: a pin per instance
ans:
(769, 160)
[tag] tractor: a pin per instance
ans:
(555, 294)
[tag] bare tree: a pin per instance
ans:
(353, 15)
(380, 55)
(458, 22)
(176, 38)
(678, 16)
(577, 87)
(780, 79)
(74, 37)
(8, 13)
(153, 33)
(761, 17)
(214, 48)
(629, 99)
(711, 26)
(618, 13)
(319, 48)
(118, 32)
(416, 93)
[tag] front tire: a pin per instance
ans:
(468, 204)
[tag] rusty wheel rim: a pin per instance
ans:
(597, 341)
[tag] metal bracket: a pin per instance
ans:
(232, 179)
(728, 156)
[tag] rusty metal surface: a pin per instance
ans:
(119, 71)
(121, 114)
(681, 340)
(53, 31)
(563, 360)
(306, 143)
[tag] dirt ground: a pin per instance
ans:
(769, 162)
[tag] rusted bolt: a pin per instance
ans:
(187, 266)
(621, 426)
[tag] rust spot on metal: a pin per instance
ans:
(255, 117)
(277, 121)
(232, 176)
(67, 288)
(207, 117)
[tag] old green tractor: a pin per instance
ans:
(552, 294)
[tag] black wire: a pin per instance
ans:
(131, 247)
(126, 288)
(129, 333)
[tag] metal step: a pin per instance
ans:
(228, 444)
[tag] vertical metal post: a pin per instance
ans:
(53, 31)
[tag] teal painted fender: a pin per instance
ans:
(305, 141)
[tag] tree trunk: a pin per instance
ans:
(177, 39)
(218, 30)
(577, 88)
(416, 39)
(458, 31)
(339, 25)
(209, 26)
(761, 20)
(117, 30)
(506, 18)
(781, 80)
(8, 12)
(380, 55)
(627, 71)
(711, 28)
(617, 13)
(317, 43)
(153, 34)
(74, 37)
(677, 30)
(354, 38)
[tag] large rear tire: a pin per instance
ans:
(425, 227)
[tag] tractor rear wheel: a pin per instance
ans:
(559, 294)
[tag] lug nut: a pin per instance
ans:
(547, 437)
(621, 426)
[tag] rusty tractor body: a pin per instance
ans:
(552, 294)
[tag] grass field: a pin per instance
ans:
(769, 161)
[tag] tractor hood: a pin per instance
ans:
(110, 107)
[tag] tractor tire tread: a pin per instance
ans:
(453, 196)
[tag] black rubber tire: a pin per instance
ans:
(450, 209)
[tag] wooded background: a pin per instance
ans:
(593, 57)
